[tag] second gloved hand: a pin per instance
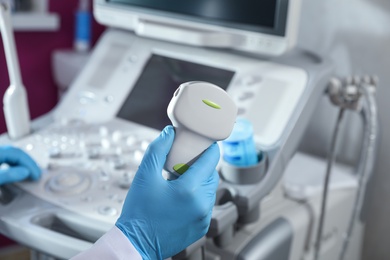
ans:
(160, 217)
(21, 165)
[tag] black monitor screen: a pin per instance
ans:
(268, 16)
(148, 101)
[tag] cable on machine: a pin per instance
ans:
(349, 95)
(331, 160)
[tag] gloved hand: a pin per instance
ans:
(21, 166)
(160, 217)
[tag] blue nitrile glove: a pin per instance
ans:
(160, 217)
(21, 166)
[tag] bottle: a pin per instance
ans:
(239, 148)
(82, 41)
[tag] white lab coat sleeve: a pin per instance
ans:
(113, 245)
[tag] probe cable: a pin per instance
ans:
(331, 159)
(370, 118)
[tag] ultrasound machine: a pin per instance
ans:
(91, 143)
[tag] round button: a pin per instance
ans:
(68, 182)
(116, 136)
(131, 140)
(29, 147)
(87, 97)
(52, 166)
(54, 152)
(105, 143)
(119, 151)
(126, 180)
(93, 153)
(103, 131)
(109, 99)
(107, 211)
(124, 184)
(144, 145)
(118, 163)
(138, 155)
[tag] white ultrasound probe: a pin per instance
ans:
(201, 114)
(16, 112)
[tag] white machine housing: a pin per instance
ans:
(265, 92)
(90, 148)
(273, 39)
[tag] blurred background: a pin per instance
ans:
(355, 35)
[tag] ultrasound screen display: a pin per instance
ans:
(148, 101)
(255, 15)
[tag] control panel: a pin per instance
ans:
(87, 168)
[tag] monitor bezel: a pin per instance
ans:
(192, 31)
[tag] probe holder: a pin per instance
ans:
(245, 174)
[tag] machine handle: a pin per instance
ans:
(186, 34)
(46, 240)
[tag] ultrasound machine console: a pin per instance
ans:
(91, 143)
